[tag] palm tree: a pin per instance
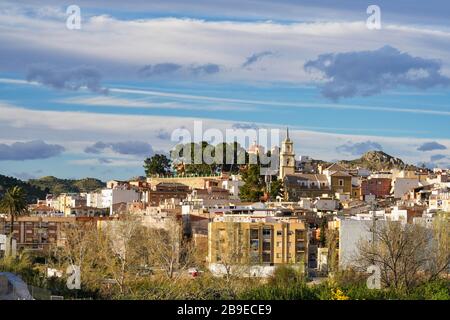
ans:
(15, 204)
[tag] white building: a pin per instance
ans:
(351, 233)
(233, 186)
(439, 201)
(324, 204)
(400, 186)
(111, 197)
(399, 215)
(94, 199)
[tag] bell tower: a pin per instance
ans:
(287, 157)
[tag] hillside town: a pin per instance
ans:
(314, 222)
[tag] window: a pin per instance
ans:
(266, 258)
(279, 233)
(267, 232)
(278, 255)
(254, 244)
(254, 233)
(341, 182)
(266, 246)
(279, 244)
(300, 235)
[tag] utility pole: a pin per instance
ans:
(374, 225)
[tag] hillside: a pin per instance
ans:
(56, 186)
(377, 160)
(33, 192)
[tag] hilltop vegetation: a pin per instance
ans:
(38, 188)
(57, 186)
(32, 192)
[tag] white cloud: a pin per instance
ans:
(111, 101)
(131, 44)
(76, 130)
(282, 104)
(109, 163)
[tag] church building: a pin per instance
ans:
(309, 185)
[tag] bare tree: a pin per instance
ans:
(440, 247)
(170, 251)
(233, 251)
(123, 244)
(406, 254)
(81, 246)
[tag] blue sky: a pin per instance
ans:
(95, 101)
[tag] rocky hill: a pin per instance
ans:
(377, 160)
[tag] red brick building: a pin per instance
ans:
(165, 191)
(39, 232)
(380, 187)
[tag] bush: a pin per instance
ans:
(287, 283)
(22, 266)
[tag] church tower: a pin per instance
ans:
(287, 157)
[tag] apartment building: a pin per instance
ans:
(40, 232)
(66, 201)
(36, 232)
(259, 243)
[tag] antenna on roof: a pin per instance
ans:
(287, 132)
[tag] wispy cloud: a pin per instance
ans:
(132, 102)
(174, 69)
(138, 148)
(255, 58)
(238, 103)
(115, 127)
(299, 104)
(437, 157)
(245, 126)
(118, 47)
(110, 162)
(358, 148)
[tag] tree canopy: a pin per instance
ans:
(158, 164)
